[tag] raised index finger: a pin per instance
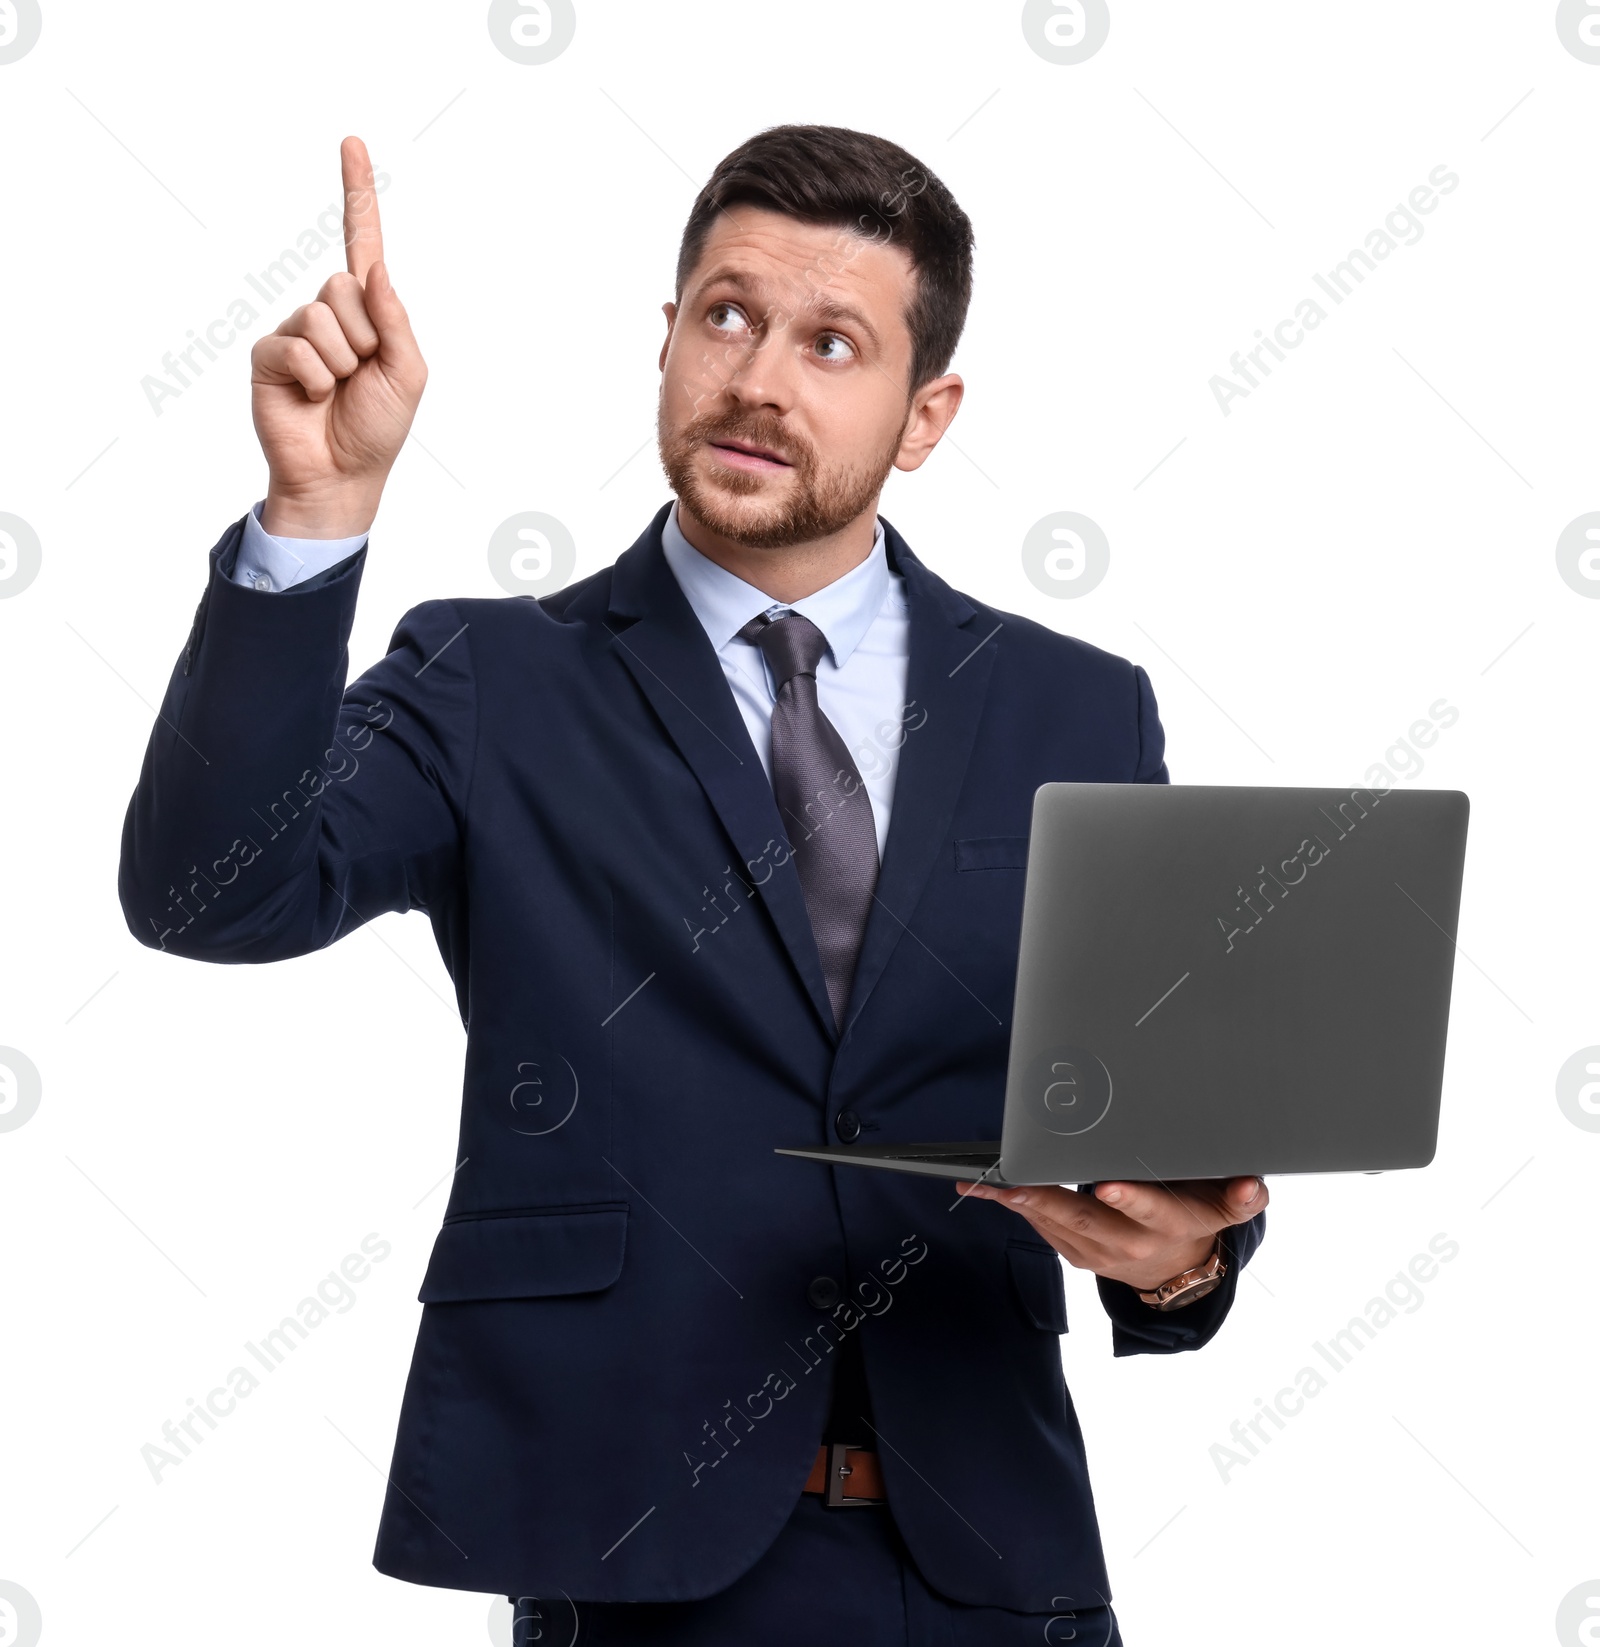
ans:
(363, 233)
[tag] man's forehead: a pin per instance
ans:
(759, 248)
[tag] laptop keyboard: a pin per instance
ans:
(960, 1158)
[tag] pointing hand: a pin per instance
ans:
(334, 389)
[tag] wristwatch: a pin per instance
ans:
(1191, 1284)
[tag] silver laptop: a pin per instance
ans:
(1219, 980)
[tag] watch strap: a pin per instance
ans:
(1189, 1285)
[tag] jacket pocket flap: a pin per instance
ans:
(526, 1255)
(1037, 1282)
(993, 852)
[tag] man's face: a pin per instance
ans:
(785, 379)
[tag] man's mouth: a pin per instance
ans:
(747, 454)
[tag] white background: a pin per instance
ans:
(1366, 533)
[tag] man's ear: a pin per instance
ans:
(670, 310)
(933, 409)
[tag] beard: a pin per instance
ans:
(818, 503)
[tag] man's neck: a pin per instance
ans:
(795, 571)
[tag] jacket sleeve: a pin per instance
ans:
(277, 809)
(1152, 767)
(1137, 1329)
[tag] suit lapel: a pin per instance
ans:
(953, 649)
(661, 643)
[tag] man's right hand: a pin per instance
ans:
(334, 389)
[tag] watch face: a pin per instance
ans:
(1189, 1294)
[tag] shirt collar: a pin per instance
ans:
(724, 603)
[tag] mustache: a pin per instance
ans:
(755, 428)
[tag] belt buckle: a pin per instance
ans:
(833, 1495)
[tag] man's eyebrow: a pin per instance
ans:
(821, 307)
(729, 276)
(828, 308)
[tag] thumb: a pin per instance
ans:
(397, 347)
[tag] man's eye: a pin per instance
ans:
(830, 346)
(728, 317)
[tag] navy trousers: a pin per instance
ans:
(832, 1575)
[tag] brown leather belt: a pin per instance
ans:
(835, 1466)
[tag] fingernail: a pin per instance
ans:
(1112, 1196)
(1252, 1189)
(1020, 1198)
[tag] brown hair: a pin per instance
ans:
(832, 175)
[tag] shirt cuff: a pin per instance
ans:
(268, 563)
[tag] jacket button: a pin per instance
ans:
(823, 1293)
(848, 1124)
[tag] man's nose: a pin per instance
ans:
(762, 375)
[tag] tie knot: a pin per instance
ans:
(792, 645)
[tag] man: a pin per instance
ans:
(722, 848)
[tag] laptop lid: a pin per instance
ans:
(1216, 980)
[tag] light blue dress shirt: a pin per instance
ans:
(267, 562)
(864, 616)
(861, 678)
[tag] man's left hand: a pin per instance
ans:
(1139, 1233)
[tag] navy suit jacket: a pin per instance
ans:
(622, 1365)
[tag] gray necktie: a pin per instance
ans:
(825, 807)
